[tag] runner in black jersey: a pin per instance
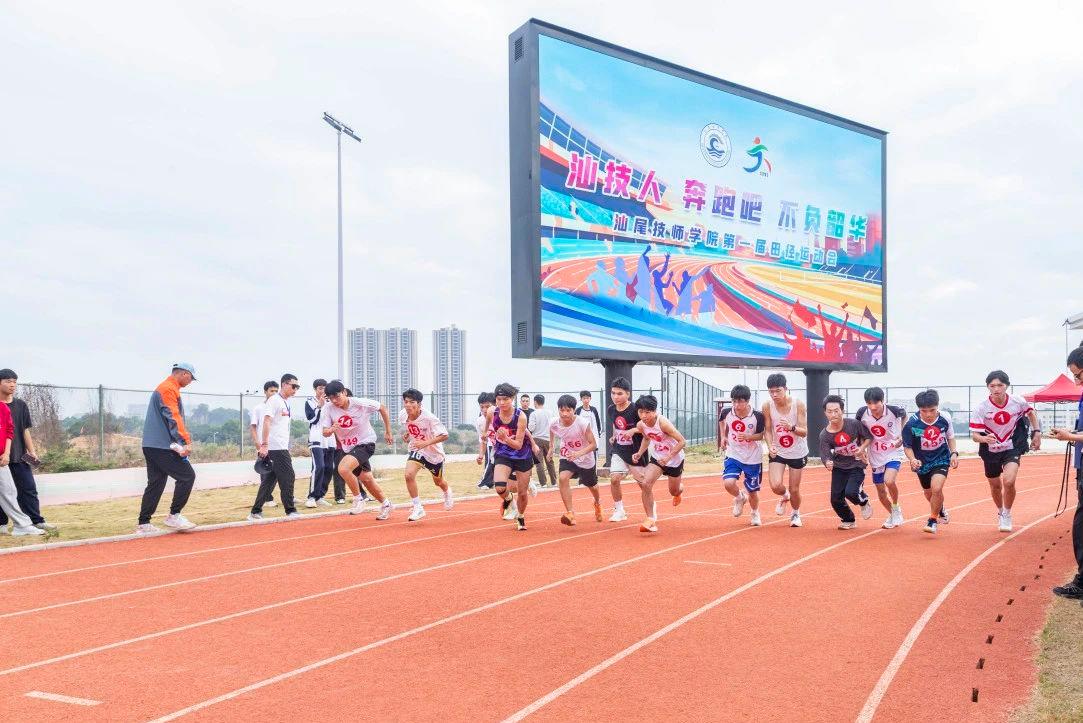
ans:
(625, 440)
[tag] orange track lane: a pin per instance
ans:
(460, 617)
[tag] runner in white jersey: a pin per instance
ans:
(424, 435)
(741, 429)
(666, 457)
(787, 446)
(577, 456)
(348, 419)
(998, 428)
(884, 424)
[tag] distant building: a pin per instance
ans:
(449, 374)
(383, 362)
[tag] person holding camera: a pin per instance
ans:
(1074, 589)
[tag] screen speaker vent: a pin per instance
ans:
(520, 333)
(519, 47)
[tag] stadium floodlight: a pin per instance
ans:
(341, 128)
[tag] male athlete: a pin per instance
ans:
(884, 424)
(625, 440)
(511, 453)
(425, 435)
(930, 448)
(347, 418)
(666, 457)
(742, 430)
(577, 445)
(786, 435)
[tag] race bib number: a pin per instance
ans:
(568, 448)
(881, 445)
(622, 437)
(785, 441)
(350, 442)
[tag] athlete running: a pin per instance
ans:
(666, 457)
(741, 430)
(425, 435)
(577, 456)
(786, 435)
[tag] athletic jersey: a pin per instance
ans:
(929, 441)
(426, 426)
(626, 436)
(573, 438)
(885, 433)
(789, 445)
(746, 452)
(1000, 421)
(841, 447)
(355, 427)
(661, 444)
(503, 450)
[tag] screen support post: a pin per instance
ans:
(613, 368)
(817, 386)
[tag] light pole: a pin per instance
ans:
(341, 128)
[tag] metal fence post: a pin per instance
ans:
(101, 422)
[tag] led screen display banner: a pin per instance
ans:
(662, 215)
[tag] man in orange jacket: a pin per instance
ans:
(165, 447)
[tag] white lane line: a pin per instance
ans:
(975, 524)
(880, 689)
(57, 698)
(705, 562)
(644, 642)
(451, 618)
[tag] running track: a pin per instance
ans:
(459, 617)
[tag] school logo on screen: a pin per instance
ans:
(760, 164)
(714, 144)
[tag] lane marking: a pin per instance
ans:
(644, 642)
(880, 689)
(57, 698)
(705, 562)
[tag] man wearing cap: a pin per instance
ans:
(165, 447)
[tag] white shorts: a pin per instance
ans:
(619, 466)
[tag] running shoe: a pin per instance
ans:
(295, 515)
(619, 515)
(178, 522)
(358, 506)
(897, 514)
(341, 501)
(252, 517)
(677, 497)
(866, 510)
(944, 517)
(795, 519)
(889, 523)
(568, 518)
(739, 504)
(416, 514)
(510, 513)
(310, 503)
(847, 525)
(780, 508)
(449, 499)
(26, 531)
(1072, 591)
(520, 523)
(755, 518)
(50, 529)
(270, 503)
(323, 503)
(598, 512)
(930, 526)
(648, 525)
(385, 510)
(533, 487)
(1005, 524)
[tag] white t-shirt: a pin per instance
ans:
(538, 423)
(355, 425)
(279, 436)
(744, 452)
(999, 421)
(479, 425)
(573, 438)
(255, 417)
(885, 433)
(426, 426)
(661, 444)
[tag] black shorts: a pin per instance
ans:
(362, 453)
(994, 461)
(668, 471)
(436, 469)
(517, 465)
(926, 478)
(587, 476)
(798, 463)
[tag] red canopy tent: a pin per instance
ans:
(1061, 389)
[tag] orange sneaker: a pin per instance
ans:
(648, 525)
(568, 518)
(677, 497)
(598, 512)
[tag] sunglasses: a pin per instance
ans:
(295, 386)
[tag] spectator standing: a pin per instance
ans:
(9, 502)
(1074, 589)
(275, 445)
(255, 428)
(590, 414)
(322, 449)
(524, 404)
(537, 424)
(166, 444)
(23, 455)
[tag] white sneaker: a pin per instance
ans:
(145, 529)
(897, 514)
(26, 531)
(739, 504)
(270, 503)
(795, 519)
(511, 512)
(385, 510)
(322, 503)
(533, 488)
(943, 518)
(780, 508)
(449, 499)
(1005, 521)
(254, 517)
(866, 510)
(847, 525)
(619, 515)
(755, 521)
(179, 522)
(416, 514)
(310, 503)
(341, 502)
(295, 515)
(889, 523)
(358, 506)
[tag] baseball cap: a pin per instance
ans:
(185, 366)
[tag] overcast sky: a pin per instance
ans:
(168, 188)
